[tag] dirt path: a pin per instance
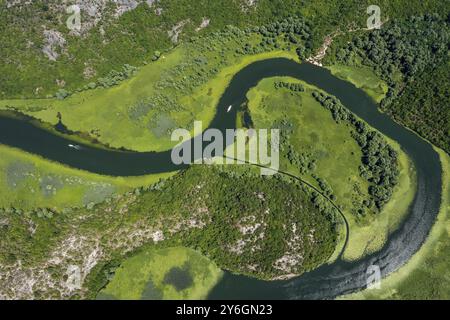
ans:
(317, 58)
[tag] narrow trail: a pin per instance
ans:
(311, 186)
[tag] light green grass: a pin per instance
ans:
(427, 274)
(105, 113)
(338, 157)
(362, 77)
(28, 181)
(315, 132)
(371, 236)
(145, 276)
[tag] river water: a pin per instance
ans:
(325, 282)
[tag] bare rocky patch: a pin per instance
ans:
(203, 25)
(175, 32)
(54, 44)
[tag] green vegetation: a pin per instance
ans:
(424, 105)
(369, 235)
(362, 77)
(313, 137)
(108, 43)
(128, 79)
(427, 274)
(30, 182)
(411, 56)
(379, 160)
(171, 273)
(273, 223)
(266, 228)
(182, 86)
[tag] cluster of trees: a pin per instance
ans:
(113, 78)
(303, 161)
(324, 186)
(39, 212)
(286, 128)
(237, 199)
(293, 31)
(221, 200)
(138, 33)
(379, 160)
(411, 56)
(229, 42)
(325, 207)
(379, 167)
(338, 111)
(295, 87)
(424, 105)
(407, 46)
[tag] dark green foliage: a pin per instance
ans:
(61, 94)
(213, 205)
(407, 46)
(324, 186)
(424, 105)
(115, 77)
(379, 160)
(412, 57)
(273, 207)
(138, 34)
(295, 87)
(28, 236)
(380, 167)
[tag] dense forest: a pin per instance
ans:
(262, 227)
(424, 105)
(412, 57)
(113, 36)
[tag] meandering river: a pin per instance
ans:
(327, 281)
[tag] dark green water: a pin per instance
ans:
(325, 282)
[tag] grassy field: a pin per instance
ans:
(370, 235)
(427, 273)
(140, 113)
(29, 181)
(362, 77)
(182, 86)
(45, 184)
(336, 158)
(170, 273)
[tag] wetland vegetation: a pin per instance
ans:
(141, 84)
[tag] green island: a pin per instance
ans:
(132, 75)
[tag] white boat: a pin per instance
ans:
(229, 108)
(74, 146)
